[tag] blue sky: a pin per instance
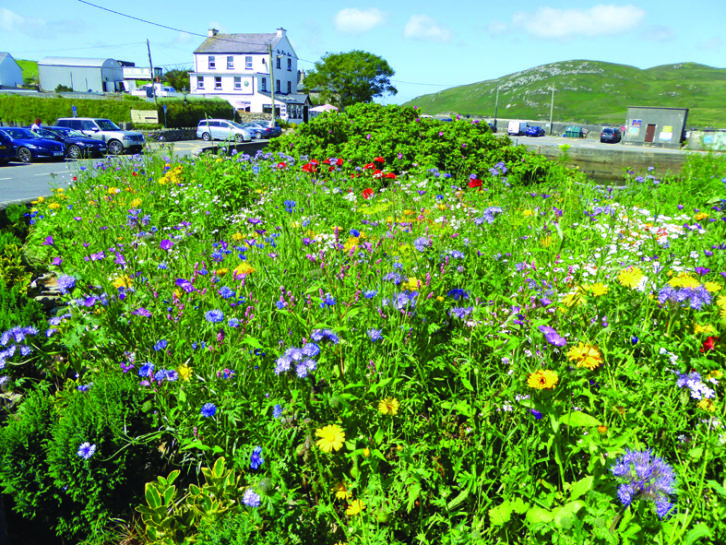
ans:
(430, 45)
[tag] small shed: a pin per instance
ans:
(81, 75)
(662, 127)
(11, 75)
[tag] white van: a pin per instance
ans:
(517, 128)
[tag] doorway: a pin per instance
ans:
(650, 133)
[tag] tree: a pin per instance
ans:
(178, 79)
(343, 79)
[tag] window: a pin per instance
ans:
(277, 62)
(211, 65)
(263, 84)
(237, 83)
(218, 83)
(289, 64)
(289, 87)
(248, 63)
(200, 82)
(230, 63)
(277, 86)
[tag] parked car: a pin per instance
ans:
(77, 144)
(222, 129)
(516, 128)
(611, 135)
(256, 130)
(28, 147)
(117, 140)
(276, 129)
(6, 148)
(159, 90)
(535, 130)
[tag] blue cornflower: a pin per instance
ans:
(311, 350)
(86, 450)
(282, 364)
(281, 304)
(226, 292)
(458, 293)
(328, 301)
(698, 388)
(394, 277)
(306, 366)
(160, 375)
(552, 336)
(161, 345)
(354, 233)
(461, 312)
(537, 415)
(277, 411)
(375, 334)
(233, 322)
(294, 353)
(369, 294)
(147, 370)
(214, 316)
(290, 206)
(646, 476)
(256, 459)
(251, 498)
(65, 283)
(324, 334)
(421, 243)
(456, 254)
(208, 409)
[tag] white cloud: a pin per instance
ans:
(599, 20)
(14, 22)
(358, 21)
(423, 27)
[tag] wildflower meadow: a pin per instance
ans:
(380, 330)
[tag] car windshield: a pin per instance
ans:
(45, 133)
(236, 125)
(607, 131)
(18, 133)
(107, 125)
(71, 132)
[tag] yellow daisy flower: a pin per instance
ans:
(341, 492)
(712, 287)
(331, 437)
(244, 268)
(135, 203)
(185, 372)
(585, 355)
(122, 282)
(598, 289)
(707, 405)
(354, 508)
(708, 329)
(389, 405)
(630, 277)
(543, 379)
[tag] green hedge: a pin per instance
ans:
(23, 110)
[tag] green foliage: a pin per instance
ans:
(406, 141)
(30, 71)
(589, 92)
(178, 79)
(188, 113)
(74, 496)
(60, 88)
(344, 79)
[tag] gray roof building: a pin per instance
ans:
(11, 75)
(81, 74)
(239, 43)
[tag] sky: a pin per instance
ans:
(430, 45)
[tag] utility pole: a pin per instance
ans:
(151, 68)
(552, 108)
(496, 108)
(272, 85)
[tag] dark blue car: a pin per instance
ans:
(535, 130)
(28, 147)
(6, 149)
(77, 144)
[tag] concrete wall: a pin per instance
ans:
(706, 140)
(11, 75)
(667, 126)
(78, 78)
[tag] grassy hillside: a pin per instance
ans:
(590, 92)
(30, 70)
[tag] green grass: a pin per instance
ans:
(590, 92)
(30, 70)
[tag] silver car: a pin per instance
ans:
(222, 129)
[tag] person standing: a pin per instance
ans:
(35, 126)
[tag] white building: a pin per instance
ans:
(11, 75)
(81, 75)
(236, 67)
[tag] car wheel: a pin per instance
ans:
(74, 152)
(24, 155)
(206, 137)
(115, 147)
(239, 138)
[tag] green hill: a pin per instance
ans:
(30, 70)
(589, 92)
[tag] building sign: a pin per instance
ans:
(145, 116)
(635, 127)
(667, 133)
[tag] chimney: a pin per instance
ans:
(212, 32)
(281, 32)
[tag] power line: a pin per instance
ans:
(24, 51)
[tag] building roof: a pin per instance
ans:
(3, 54)
(73, 61)
(293, 98)
(239, 43)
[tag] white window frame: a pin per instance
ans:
(289, 64)
(211, 62)
(248, 62)
(217, 83)
(200, 82)
(230, 62)
(237, 83)
(263, 84)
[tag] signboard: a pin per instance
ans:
(149, 117)
(635, 127)
(75, 111)
(667, 133)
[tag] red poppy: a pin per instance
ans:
(709, 344)
(326, 162)
(134, 173)
(377, 173)
(339, 162)
(281, 165)
(474, 182)
(309, 167)
(379, 159)
(369, 166)
(367, 193)
(390, 175)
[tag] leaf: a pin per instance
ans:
(500, 514)
(254, 343)
(152, 496)
(564, 516)
(378, 437)
(581, 487)
(458, 500)
(699, 531)
(520, 506)
(539, 515)
(413, 492)
(717, 487)
(579, 419)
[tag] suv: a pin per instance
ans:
(117, 140)
(222, 129)
(610, 135)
